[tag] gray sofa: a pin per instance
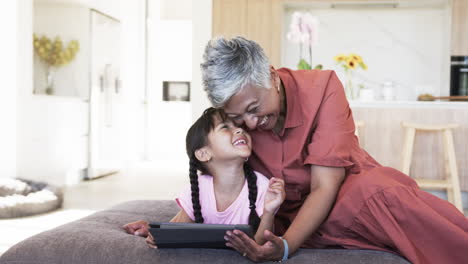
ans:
(99, 238)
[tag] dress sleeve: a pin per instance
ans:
(185, 202)
(332, 140)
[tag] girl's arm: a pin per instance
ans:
(140, 228)
(274, 197)
(181, 217)
(266, 223)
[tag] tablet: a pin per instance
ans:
(191, 235)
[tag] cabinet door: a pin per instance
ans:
(229, 18)
(258, 20)
(264, 19)
(105, 126)
(460, 27)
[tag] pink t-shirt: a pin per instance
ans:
(237, 213)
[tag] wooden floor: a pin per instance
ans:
(143, 182)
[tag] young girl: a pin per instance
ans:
(228, 191)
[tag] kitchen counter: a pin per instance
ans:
(404, 104)
(382, 135)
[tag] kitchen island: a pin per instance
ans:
(383, 136)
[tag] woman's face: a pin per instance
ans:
(256, 107)
(228, 141)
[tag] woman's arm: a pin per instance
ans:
(325, 183)
(324, 186)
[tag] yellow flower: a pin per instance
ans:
(350, 63)
(355, 57)
(363, 66)
(340, 58)
(53, 52)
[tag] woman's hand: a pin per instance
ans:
(273, 249)
(275, 195)
(138, 228)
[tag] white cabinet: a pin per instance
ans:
(459, 28)
(105, 104)
(93, 77)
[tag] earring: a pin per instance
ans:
(246, 159)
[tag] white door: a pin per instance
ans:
(105, 141)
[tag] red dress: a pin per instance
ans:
(377, 207)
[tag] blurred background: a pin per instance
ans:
(98, 95)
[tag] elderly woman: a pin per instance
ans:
(337, 195)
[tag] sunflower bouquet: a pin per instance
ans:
(350, 63)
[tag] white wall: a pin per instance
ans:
(109, 7)
(169, 59)
(133, 76)
(409, 46)
(202, 24)
(10, 70)
(69, 23)
(51, 141)
(176, 9)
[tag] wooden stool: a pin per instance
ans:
(451, 184)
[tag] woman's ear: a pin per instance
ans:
(203, 154)
(274, 76)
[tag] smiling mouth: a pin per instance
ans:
(263, 121)
(240, 142)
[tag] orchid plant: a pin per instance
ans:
(304, 30)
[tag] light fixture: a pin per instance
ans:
(364, 5)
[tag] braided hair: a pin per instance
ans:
(254, 220)
(194, 165)
(197, 138)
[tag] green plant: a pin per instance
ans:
(304, 30)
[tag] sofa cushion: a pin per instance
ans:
(99, 238)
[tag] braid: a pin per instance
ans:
(254, 220)
(195, 190)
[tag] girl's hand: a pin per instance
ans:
(138, 228)
(275, 195)
(150, 241)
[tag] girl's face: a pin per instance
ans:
(256, 107)
(228, 141)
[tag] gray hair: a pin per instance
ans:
(231, 64)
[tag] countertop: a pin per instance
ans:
(409, 104)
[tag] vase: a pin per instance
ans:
(349, 86)
(50, 78)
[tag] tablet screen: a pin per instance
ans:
(192, 235)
